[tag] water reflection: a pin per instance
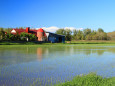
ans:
(26, 64)
(39, 54)
(13, 55)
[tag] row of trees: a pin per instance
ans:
(5, 35)
(86, 34)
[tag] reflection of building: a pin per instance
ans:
(39, 53)
(41, 34)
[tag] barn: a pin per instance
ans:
(41, 35)
(55, 38)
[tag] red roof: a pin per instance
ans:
(32, 31)
(40, 30)
(19, 31)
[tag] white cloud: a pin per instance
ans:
(54, 28)
(71, 28)
(50, 29)
(79, 28)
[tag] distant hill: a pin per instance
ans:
(112, 35)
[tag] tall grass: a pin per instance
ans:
(89, 80)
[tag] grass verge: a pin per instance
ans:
(89, 80)
(67, 42)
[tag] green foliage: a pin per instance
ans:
(2, 34)
(86, 34)
(66, 32)
(88, 37)
(87, 31)
(101, 36)
(79, 36)
(75, 32)
(61, 32)
(100, 30)
(32, 37)
(8, 30)
(27, 37)
(10, 37)
(89, 80)
(111, 35)
(23, 34)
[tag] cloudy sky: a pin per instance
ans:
(53, 28)
(54, 14)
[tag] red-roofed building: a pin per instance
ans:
(40, 33)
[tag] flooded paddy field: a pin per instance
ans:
(49, 64)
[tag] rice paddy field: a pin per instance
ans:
(58, 65)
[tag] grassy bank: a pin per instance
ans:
(22, 43)
(67, 42)
(89, 80)
(92, 42)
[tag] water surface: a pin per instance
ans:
(45, 65)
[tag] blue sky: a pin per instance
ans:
(92, 14)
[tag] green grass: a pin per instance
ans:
(17, 43)
(93, 42)
(70, 42)
(89, 80)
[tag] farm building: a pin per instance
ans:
(41, 35)
(55, 37)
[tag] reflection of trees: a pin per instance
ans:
(39, 51)
(87, 52)
(11, 55)
(100, 52)
(15, 55)
(112, 49)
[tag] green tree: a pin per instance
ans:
(100, 30)
(2, 33)
(75, 32)
(102, 36)
(82, 37)
(79, 35)
(86, 31)
(24, 36)
(27, 37)
(88, 37)
(11, 36)
(61, 32)
(95, 37)
(7, 30)
(68, 34)
(32, 37)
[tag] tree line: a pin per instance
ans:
(5, 35)
(86, 34)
